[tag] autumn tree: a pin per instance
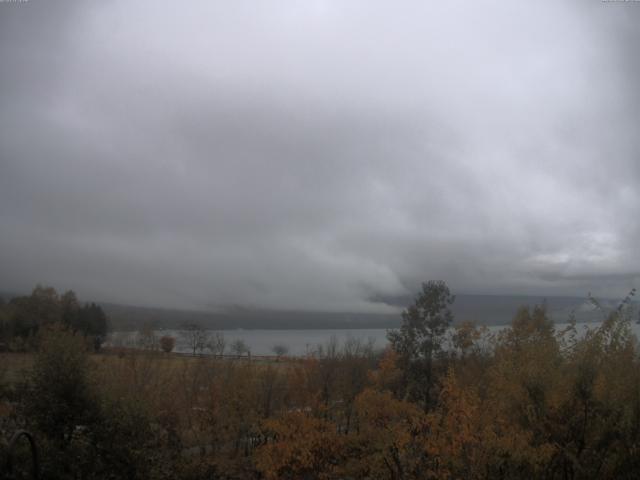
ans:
(325, 372)
(466, 338)
(270, 385)
(388, 375)
(167, 343)
(355, 361)
(388, 443)
(299, 446)
(420, 337)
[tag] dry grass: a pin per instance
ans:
(13, 367)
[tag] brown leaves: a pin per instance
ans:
(300, 445)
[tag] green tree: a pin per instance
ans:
(6, 328)
(24, 316)
(420, 337)
(280, 349)
(239, 347)
(93, 321)
(70, 309)
(60, 400)
(127, 443)
(60, 395)
(30, 312)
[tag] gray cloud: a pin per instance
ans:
(318, 154)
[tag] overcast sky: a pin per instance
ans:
(318, 154)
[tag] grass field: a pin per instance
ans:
(14, 366)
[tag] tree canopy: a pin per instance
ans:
(420, 337)
(22, 317)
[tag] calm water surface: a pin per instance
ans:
(301, 342)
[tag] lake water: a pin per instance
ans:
(261, 342)
(300, 342)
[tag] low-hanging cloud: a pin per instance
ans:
(318, 155)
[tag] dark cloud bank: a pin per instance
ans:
(317, 155)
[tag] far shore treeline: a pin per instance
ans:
(480, 309)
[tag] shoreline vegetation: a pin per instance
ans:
(538, 402)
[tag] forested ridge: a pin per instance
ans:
(528, 402)
(481, 309)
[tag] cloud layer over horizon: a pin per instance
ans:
(318, 154)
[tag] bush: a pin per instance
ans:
(167, 344)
